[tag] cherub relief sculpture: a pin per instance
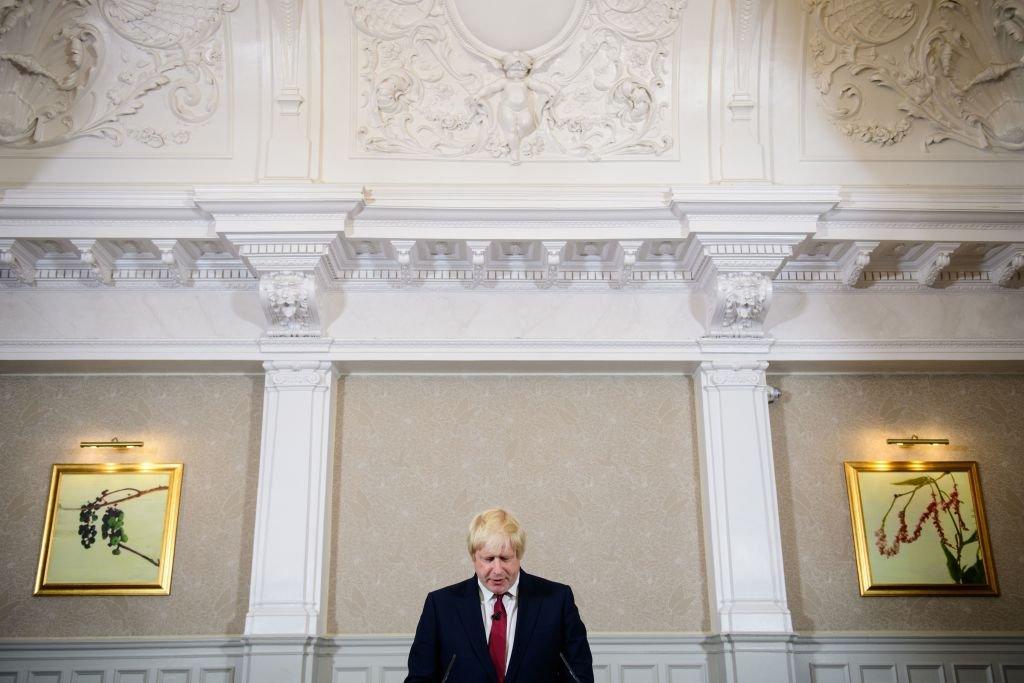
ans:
(429, 89)
(523, 99)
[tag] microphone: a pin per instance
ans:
(495, 617)
(451, 663)
(568, 668)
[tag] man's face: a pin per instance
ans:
(496, 567)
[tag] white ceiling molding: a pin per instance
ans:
(738, 272)
(491, 237)
(955, 67)
(19, 261)
(1005, 263)
(606, 355)
(294, 73)
(60, 88)
(602, 86)
(292, 270)
(933, 260)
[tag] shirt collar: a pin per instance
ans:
(486, 594)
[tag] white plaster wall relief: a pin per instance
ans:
(746, 15)
(741, 301)
(175, 255)
(18, 260)
(1005, 263)
(933, 260)
(403, 254)
(478, 250)
(855, 260)
(73, 69)
(100, 262)
(603, 89)
(956, 66)
(289, 301)
(552, 258)
(630, 249)
(286, 17)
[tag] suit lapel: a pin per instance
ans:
(473, 623)
(527, 610)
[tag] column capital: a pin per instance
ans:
(733, 373)
(281, 374)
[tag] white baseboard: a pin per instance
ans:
(625, 658)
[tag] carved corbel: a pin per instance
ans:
(179, 262)
(291, 304)
(854, 261)
(478, 250)
(552, 259)
(929, 265)
(21, 262)
(403, 254)
(737, 273)
(630, 249)
(741, 302)
(1005, 264)
(99, 260)
(292, 270)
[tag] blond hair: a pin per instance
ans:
(492, 528)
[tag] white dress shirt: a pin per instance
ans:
(511, 602)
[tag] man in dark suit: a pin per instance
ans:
(503, 625)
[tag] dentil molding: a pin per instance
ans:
(73, 69)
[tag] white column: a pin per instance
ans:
(291, 547)
(741, 514)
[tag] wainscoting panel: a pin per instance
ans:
(634, 658)
(198, 660)
(908, 659)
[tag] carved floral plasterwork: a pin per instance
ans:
(289, 301)
(426, 90)
(741, 302)
(73, 69)
(957, 66)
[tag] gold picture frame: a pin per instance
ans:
(919, 528)
(109, 529)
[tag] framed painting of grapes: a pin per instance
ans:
(109, 529)
(919, 528)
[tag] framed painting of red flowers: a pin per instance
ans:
(110, 529)
(919, 528)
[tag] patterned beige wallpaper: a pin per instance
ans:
(577, 458)
(209, 423)
(824, 420)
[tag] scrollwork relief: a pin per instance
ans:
(955, 65)
(74, 69)
(427, 91)
(289, 301)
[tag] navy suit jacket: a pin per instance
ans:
(547, 623)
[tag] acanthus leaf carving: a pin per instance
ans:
(956, 65)
(427, 90)
(935, 259)
(741, 302)
(1006, 264)
(58, 80)
(855, 260)
(290, 303)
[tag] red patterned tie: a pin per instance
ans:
(499, 625)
